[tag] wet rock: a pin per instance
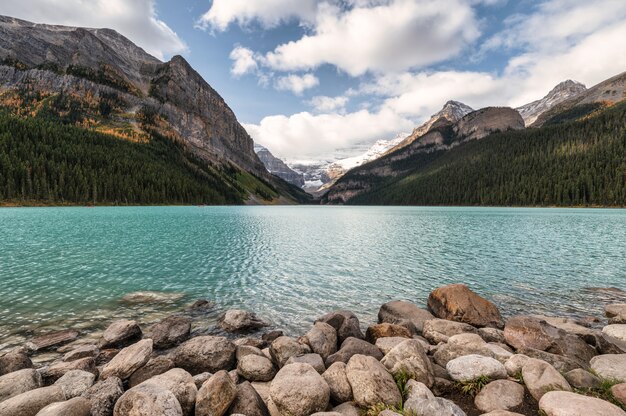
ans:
(540, 377)
(437, 406)
(84, 351)
(19, 382)
(610, 366)
(404, 313)
(458, 303)
(13, 361)
(352, 346)
(206, 353)
(120, 334)
(103, 395)
(57, 370)
(76, 382)
(181, 384)
(237, 320)
(345, 323)
(383, 330)
(170, 332)
(440, 330)
(216, 395)
(129, 360)
(471, 367)
(386, 344)
(371, 382)
(52, 339)
(314, 360)
(148, 297)
(562, 403)
(283, 348)
(31, 402)
(619, 392)
(255, 367)
(582, 379)
(299, 390)
(148, 399)
(248, 402)
(322, 338)
(78, 406)
(616, 334)
(499, 395)
(154, 367)
(410, 358)
(337, 380)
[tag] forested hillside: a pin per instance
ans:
(577, 163)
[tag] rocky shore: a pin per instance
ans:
(457, 356)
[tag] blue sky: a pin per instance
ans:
(308, 78)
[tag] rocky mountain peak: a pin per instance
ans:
(562, 92)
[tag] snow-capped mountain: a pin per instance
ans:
(562, 92)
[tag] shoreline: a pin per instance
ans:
(339, 364)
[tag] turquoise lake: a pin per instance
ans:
(63, 267)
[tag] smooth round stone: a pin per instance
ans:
(562, 403)
(299, 390)
(471, 367)
(610, 366)
(499, 395)
(616, 334)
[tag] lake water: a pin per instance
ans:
(64, 267)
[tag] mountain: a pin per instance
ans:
(277, 167)
(562, 92)
(98, 80)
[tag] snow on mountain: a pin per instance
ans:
(562, 92)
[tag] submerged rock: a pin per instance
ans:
(148, 297)
(458, 303)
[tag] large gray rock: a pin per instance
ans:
(616, 334)
(371, 382)
(610, 366)
(237, 320)
(154, 367)
(170, 332)
(345, 323)
(499, 395)
(19, 382)
(148, 400)
(248, 402)
(410, 358)
(471, 367)
(352, 346)
(561, 403)
(76, 382)
(322, 338)
(181, 384)
(283, 348)
(31, 402)
(314, 360)
(78, 406)
(120, 334)
(404, 313)
(103, 395)
(458, 303)
(337, 380)
(440, 330)
(299, 390)
(416, 392)
(253, 367)
(206, 353)
(129, 360)
(540, 377)
(14, 360)
(216, 395)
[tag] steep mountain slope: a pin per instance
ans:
(99, 80)
(277, 167)
(442, 136)
(562, 92)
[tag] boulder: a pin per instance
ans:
(314, 360)
(371, 382)
(78, 406)
(471, 367)
(619, 393)
(13, 361)
(84, 351)
(53, 339)
(120, 334)
(404, 313)
(561, 363)
(458, 303)
(437, 406)
(582, 379)
(383, 330)
(243, 350)
(181, 384)
(154, 367)
(103, 395)
(248, 402)
(237, 320)
(347, 409)
(148, 399)
(216, 395)
(345, 323)
(616, 334)
(416, 392)
(386, 344)
(19, 382)
(75, 383)
(410, 358)
(283, 348)
(515, 364)
(499, 395)
(563, 403)
(254, 367)
(337, 380)
(492, 335)
(31, 402)
(170, 332)
(610, 366)
(352, 346)
(468, 344)
(299, 390)
(540, 377)
(206, 353)
(128, 360)
(57, 370)
(440, 330)
(322, 338)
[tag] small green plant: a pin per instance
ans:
(473, 387)
(602, 392)
(380, 407)
(518, 377)
(402, 378)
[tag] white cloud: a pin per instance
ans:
(135, 19)
(296, 84)
(244, 61)
(324, 104)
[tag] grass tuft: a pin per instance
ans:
(603, 392)
(473, 387)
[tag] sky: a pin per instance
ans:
(310, 79)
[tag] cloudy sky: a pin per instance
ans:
(308, 78)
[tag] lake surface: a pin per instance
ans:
(63, 267)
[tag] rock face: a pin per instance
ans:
(170, 332)
(371, 382)
(409, 357)
(206, 353)
(483, 122)
(237, 320)
(216, 395)
(404, 313)
(345, 323)
(129, 360)
(471, 367)
(561, 403)
(299, 390)
(458, 303)
(120, 334)
(19, 382)
(562, 92)
(148, 399)
(279, 168)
